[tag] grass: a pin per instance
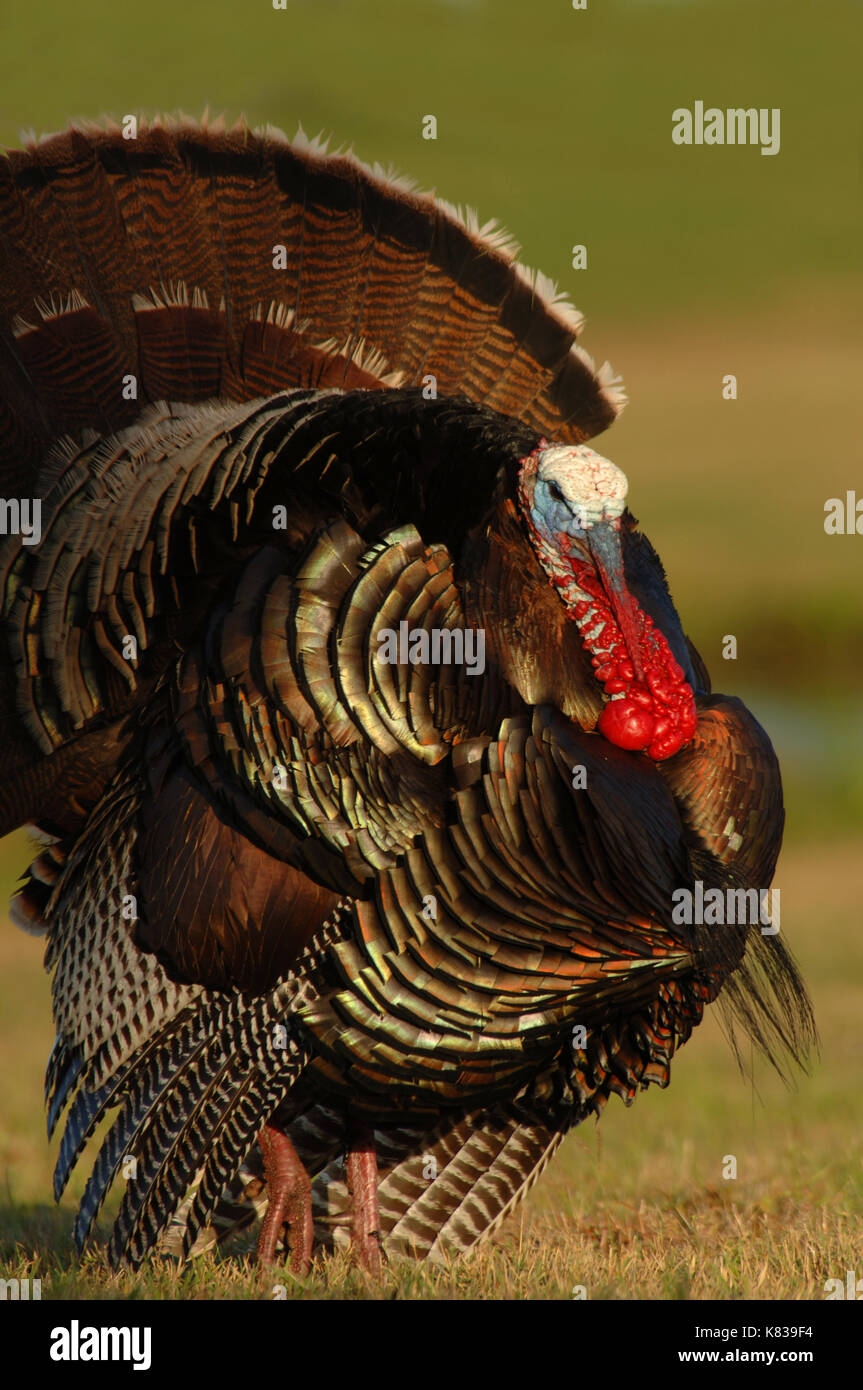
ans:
(679, 1246)
(634, 1207)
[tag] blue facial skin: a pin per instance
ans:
(552, 513)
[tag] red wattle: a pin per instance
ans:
(655, 714)
(651, 707)
(626, 724)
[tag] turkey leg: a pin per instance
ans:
(290, 1201)
(362, 1172)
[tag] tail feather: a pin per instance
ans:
(61, 1077)
(143, 1087)
(485, 1177)
(209, 1110)
(234, 1139)
(86, 1111)
(168, 1154)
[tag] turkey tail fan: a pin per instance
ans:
(193, 262)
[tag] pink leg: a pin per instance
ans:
(362, 1171)
(290, 1201)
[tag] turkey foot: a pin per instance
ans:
(290, 1201)
(362, 1170)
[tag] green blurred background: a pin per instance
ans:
(701, 262)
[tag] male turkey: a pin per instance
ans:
(282, 438)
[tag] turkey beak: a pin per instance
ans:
(603, 539)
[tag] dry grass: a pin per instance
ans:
(705, 1245)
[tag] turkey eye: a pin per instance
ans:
(556, 492)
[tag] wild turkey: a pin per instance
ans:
(295, 430)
